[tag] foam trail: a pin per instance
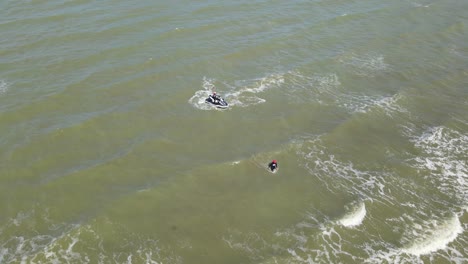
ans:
(438, 238)
(325, 89)
(259, 85)
(3, 87)
(242, 97)
(245, 96)
(198, 99)
(354, 217)
(366, 64)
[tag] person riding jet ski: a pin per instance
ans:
(216, 100)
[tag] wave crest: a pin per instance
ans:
(435, 236)
(355, 216)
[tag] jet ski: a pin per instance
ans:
(217, 101)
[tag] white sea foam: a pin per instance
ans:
(246, 90)
(63, 248)
(261, 84)
(301, 243)
(422, 235)
(436, 236)
(417, 4)
(326, 89)
(63, 242)
(391, 104)
(322, 164)
(198, 99)
(3, 87)
(444, 156)
(355, 216)
(315, 87)
(364, 103)
(291, 243)
(250, 243)
(244, 93)
(368, 64)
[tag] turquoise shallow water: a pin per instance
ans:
(109, 154)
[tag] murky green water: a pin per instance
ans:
(109, 154)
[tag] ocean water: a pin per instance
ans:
(109, 154)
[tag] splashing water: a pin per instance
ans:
(355, 216)
(436, 236)
(242, 97)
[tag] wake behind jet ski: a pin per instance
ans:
(217, 101)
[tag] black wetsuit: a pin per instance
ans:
(273, 166)
(215, 99)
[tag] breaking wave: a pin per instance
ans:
(433, 236)
(355, 216)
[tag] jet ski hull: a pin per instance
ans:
(219, 104)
